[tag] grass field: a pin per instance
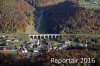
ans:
(17, 44)
(98, 1)
(23, 37)
(92, 5)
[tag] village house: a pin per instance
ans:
(22, 49)
(12, 40)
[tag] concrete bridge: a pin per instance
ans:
(44, 36)
(56, 36)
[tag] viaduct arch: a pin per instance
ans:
(44, 36)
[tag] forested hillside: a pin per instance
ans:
(60, 17)
(68, 17)
(15, 15)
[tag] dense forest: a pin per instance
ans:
(64, 17)
(18, 15)
(14, 15)
(72, 18)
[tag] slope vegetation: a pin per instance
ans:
(15, 16)
(71, 18)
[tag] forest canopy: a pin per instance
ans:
(14, 15)
(72, 18)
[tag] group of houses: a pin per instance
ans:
(6, 47)
(36, 45)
